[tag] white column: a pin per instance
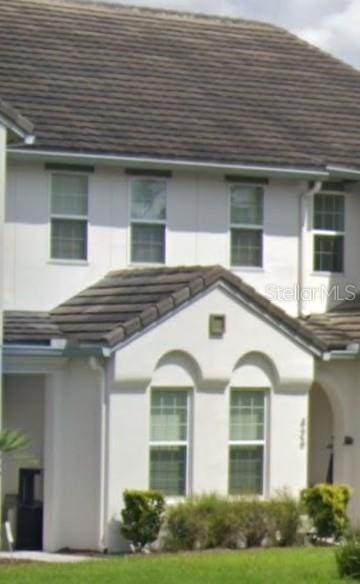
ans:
(53, 462)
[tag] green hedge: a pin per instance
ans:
(210, 521)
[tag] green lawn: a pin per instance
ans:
(279, 566)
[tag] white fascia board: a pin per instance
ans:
(15, 129)
(250, 169)
(343, 172)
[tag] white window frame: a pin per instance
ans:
(246, 227)
(64, 217)
(145, 221)
(331, 233)
(164, 443)
(264, 442)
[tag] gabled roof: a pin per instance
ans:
(100, 78)
(127, 302)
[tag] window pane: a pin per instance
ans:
(68, 239)
(328, 253)
(148, 243)
(329, 212)
(69, 194)
(247, 413)
(148, 199)
(246, 247)
(168, 469)
(247, 205)
(169, 416)
(246, 470)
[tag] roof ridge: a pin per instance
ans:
(196, 16)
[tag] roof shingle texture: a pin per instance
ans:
(127, 302)
(110, 79)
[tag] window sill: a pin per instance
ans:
(256, 269)
(68, 262)
(146, 265)
(328, 274)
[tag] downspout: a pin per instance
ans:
(98, 365)
(303, 224)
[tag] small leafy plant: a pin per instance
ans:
(348, 556)
(326, 506)
(142, 517)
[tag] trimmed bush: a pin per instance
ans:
(326, 506)
(210, 521)
(348, 556)
(142, 517)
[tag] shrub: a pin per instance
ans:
(285, 514)
(348, 556)
(210, 521)
(326, 505)
(142, 517)
(197, 523)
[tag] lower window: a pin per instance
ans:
(246, 470)
(68, 239)
(147, 243)
(169, 441)
(247, 442)
(246, 247)
(329, 253)
(168, 469)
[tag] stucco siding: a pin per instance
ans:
(179, 354)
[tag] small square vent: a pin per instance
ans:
(216, 325)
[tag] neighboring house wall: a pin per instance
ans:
(197, 232)
(179, 354)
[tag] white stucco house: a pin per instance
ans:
(180, 262)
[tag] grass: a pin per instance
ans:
(278, 566)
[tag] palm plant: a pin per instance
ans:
(12, 441)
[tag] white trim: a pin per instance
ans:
(186, 443)
(250, 168)
(145, 221)
(265, 442)
(64, 217)
(330, 233)
(245, 226)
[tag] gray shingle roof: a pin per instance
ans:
(29, 327)
(104, 78)
(339, 326)
(127, 302)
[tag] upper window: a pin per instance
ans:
(329, 228)
(246, 219)
(148, 220)
(247, 442)
(169, 441)
(69, 216)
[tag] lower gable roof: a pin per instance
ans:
(126, 303)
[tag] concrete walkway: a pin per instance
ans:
(43, 557)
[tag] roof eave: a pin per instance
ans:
(311, 172)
